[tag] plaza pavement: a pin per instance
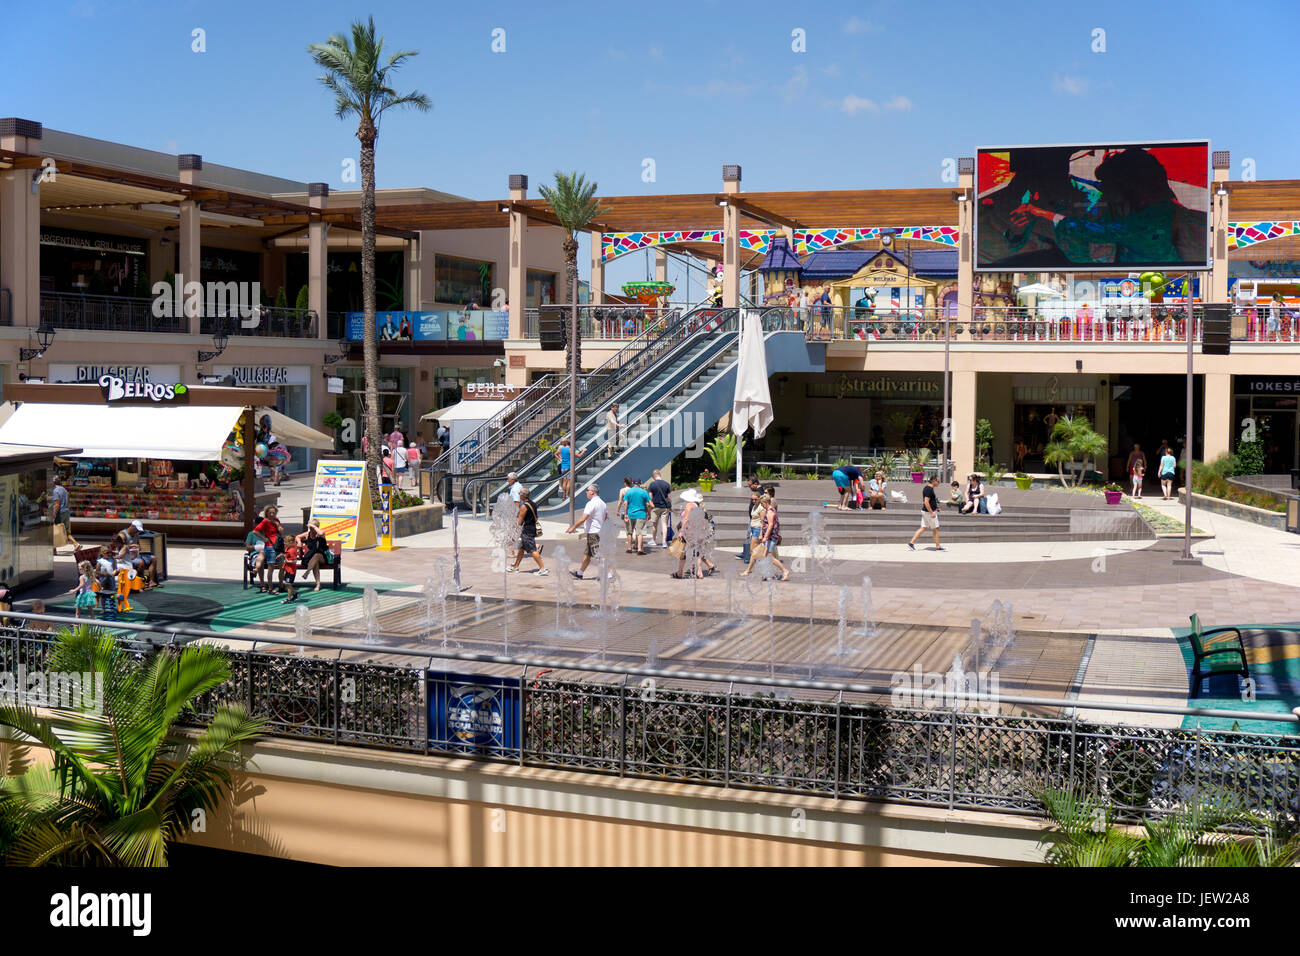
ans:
(1100, 613)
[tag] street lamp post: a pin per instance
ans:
(1187, 557)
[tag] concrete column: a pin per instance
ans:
(318, 269)
(411, 284)
(20, 223)
(190, 167)
(517, 287)
(963, 421)
(1217, 414)
(661, 265)
(427, 288)
(965, 246)
(597, 269)
(1218, 291)
(730, 239)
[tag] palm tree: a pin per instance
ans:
(574, 202)
(1073, 439)
(1084, 834)
(358, 76)
(118, 791)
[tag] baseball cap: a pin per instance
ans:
(137, 524)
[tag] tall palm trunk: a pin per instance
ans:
(571, 284)
(370, 347)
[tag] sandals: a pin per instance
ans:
(679, 577)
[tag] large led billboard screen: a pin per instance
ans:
(1093, 208)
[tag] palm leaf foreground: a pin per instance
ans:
(118, 791)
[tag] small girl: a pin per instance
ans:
(85, 590)
(1139, 471)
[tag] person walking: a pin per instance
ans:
(1136, 457)
(620, 510)
(527, 518)
(929, 515)
(661, 498)
(1139, 472)
(564, 458)
(61, 513)
(593, 518)
(514, 488)
(1168, 470)
(414, 454)
(85, 589)
(637, 507)
(769, 539)
(694, 531)
(755, 527)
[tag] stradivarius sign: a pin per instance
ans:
(117, 390)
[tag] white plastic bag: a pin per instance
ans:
(995, 506)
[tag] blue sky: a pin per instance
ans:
(883, 93)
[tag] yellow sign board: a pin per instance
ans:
(385, 512)
(340, 503)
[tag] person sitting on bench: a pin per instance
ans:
(314, 551)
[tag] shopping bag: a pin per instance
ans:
(678, 547)
(60, 536)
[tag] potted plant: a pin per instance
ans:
(722, 452)
(1023, 481)
(707, 478)
(1113, 493)
(916, 459)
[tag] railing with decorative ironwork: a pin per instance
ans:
(734, 731)
(1135, 324)
(107, 313)
(603, 321)
(270, 321)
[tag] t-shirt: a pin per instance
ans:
(636, 500)
(399, 457)
(928, 495)
(267, 529)
(395, 439)
(60, 496)
(850, 472)
(564, 458)
(660, 492)
(1168, 464)
(877, 486)
(594, 515)
(514, 492)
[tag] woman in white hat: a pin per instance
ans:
(694, 532)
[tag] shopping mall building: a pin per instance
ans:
(887, 278)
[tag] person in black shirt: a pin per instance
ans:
(854, 475)
(527, 519)
(314, 551)
(929, 514)
(661, 500)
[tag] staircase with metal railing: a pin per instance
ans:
(661, 412)
(515, 436)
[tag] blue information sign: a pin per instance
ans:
(474, 713)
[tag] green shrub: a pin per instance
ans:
(304, 299)
(1250, 458)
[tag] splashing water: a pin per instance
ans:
(869, 627)
(370, 610)
(505, 532)
(566, 624)
(820, 560)
(302, 625)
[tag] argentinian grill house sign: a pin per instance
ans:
(118, 391)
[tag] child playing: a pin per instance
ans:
(85, 589)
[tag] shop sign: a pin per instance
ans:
(1270, 386)
(120, 391)
(140, 374)
(490, 392)
(264, 376)
(333, 385)
(881, 386)
(93, 242)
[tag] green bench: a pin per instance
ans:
(1216, 651)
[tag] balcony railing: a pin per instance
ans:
(268, 321)
(1123, 324)
(107, 313)
(604, 321)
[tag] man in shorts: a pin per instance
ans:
(637, 502)
(60, 513)
(593, 517)
(661, 498)
(929, 514)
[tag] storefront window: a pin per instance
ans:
(462, 281)
(93, 263)
(26, 536)
(541, 288)
(394, 402)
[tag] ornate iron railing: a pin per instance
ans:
(718, 730)
(107, 313)
(269, 321)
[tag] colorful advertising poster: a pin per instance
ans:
(474, 714)
(1089, 207)
(340, 502)
(473, 325)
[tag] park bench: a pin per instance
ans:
(1216, 651)
(336, 547)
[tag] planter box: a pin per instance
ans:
(918, 477)
(1024, 483)
(1219, 506)
(417, 520)
(1113, 497)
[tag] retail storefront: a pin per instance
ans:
(177, 457)
(292, 384)
(26, 533)
(394, 401)
(93, 263)
(90, 374)
(1273, 404)
(841, 413)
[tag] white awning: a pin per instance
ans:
(467, 411)
(293, 432)
(179, 432)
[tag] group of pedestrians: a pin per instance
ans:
(856, 491)
(1166, 468)
(270, 549)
